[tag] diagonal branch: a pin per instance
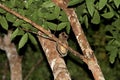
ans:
(40, 28)
(90, 60)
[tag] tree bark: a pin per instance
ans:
(13, 57)
(90, 58)
(56, 63)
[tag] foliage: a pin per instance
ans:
(100, 20)
(30, 59)
(93, 12)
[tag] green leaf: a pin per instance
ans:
(13, 2)
(51, 26)
(110, 1)
(56, 11)
(90, 6)
(68, 27)
(108, 15)
(110, 8)
(23, 40)
(14, 34)
(63, 16)
(29, 2)
(3, 22)
(21, 32)
(8, 4)
(45, 25)
(116, 24)
(102, 3)
(116, 42)
(111, 42)
(40, 14)
(85, 19)
(119, 54)
(61, 26)
(26, 26)
(113, 55)
(117, 3)
(80, 10)
(81, 19)
(109, 37)
(34, 16)
(109, 47)
(49, 16)
(18, 22)
(108, 27)
(32, 38)
(10, 17)
(2, 11)
(74, 2)
(96, 18)
(26, 4)
(21, 11)
(48, 4)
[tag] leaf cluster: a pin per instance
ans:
(107, 12)
(44, 13)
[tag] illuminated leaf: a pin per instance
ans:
(23, 41)
(117, 3)
(96, 18)
(68, 27)
(48, 4)
(32, 38)
(102, 3)
(51, 25)
(108, 15)
(10, 17)
(14, 34)
(3, 22)
(61, 26)
(113, 55)
(90, 6)
(74, 2)
(85, 19)
(18, 22)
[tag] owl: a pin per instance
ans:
(62, 50)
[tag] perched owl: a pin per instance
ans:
(62, 50)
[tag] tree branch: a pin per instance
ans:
(40, 28)
(13, 57)
(90, 60)
(56, 63)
